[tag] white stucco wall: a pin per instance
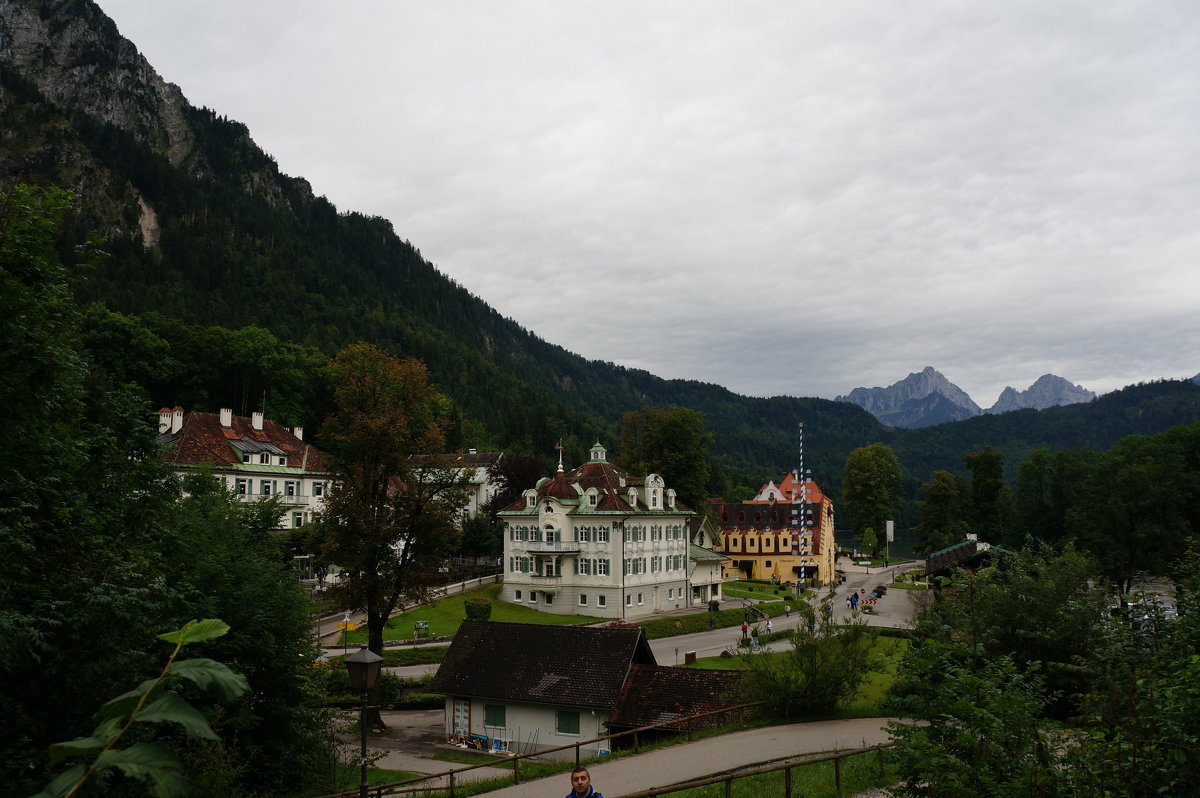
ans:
(530, 727)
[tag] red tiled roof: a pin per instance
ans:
(202, 439)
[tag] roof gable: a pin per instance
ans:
(564, 665)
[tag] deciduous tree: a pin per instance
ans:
(871, 486)
(943, 512)
(386, 524)
(672, 443)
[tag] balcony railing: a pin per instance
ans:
(291, 501)
(553, 546)
(549, 580)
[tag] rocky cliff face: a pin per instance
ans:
(1048, 391)
(76, 58)
(83, 109)
(907, 403)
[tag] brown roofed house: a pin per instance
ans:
(525, 687)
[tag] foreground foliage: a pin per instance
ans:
(150, 703)
(1026, 686)
(102, 548)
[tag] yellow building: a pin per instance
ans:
(785, 532)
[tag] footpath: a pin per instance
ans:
(714, 755)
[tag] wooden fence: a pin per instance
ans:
(418, 785)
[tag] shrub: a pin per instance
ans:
(478, 609)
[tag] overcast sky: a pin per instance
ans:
(780, 197)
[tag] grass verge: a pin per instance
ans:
(446, 615)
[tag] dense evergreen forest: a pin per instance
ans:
(247, 283)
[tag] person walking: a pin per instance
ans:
(581, 784)
(745, 630)
(787, 611)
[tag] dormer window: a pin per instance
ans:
(633, 497)
(592, 498)
(530, 499)
(654, 499)
(671, 499)
(264, 458)
(549, 508)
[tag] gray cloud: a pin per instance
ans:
(779, 197)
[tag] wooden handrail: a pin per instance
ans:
(379, 790)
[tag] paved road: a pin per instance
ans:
(418, 736)
(713, 755)
(894, 609)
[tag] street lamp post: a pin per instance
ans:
(363, 669)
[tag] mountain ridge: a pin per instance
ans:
(927, 398)
(242, 245)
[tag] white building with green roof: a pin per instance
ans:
(598, 541)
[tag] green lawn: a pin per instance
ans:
(812, 781)
(347, 778)
(752, 591)
(445, 616)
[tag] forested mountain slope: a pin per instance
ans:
(203, 230)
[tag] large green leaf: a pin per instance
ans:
(173, 709)
(123, 705)
(81, 746)
(213, 675)
(62, 783)
(149, 762)
(197, 631)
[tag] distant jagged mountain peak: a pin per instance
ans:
(1049, 390)
(925, 398)
(919, 400)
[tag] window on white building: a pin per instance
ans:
(297, 520)
(242, 486)
(582, 600)
(601, 601)
(264, 458)
(318, 489)
(516, 595)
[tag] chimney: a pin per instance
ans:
(164, 420)
(176, 419)
(256, 420)
(298, 432)
(226, 417)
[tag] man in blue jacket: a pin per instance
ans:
(581, 785)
